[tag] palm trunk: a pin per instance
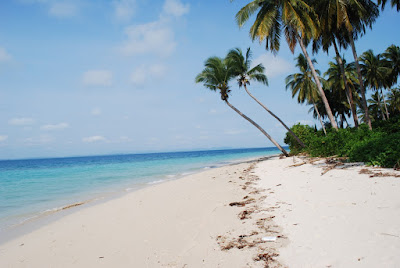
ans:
(384, 102)
(380, 106)
(320, 90)
(257, 126)
(360, 78)
(276, 117)
(348, 91)
(319, 117)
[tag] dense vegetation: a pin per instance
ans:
(337, 96)
(381, 146)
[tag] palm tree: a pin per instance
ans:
(375, 72)
(216, 76)
(298, 22)
(392, 2)
(332, 14)
(303, 86)
(361, 13)
(241, 68)
(394, 101)
(392, 55)
(375, 108)
(337, 83)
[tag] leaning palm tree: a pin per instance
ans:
(241, 66)
(375, 72)
(298, 22)
(303, 86)
(216, 76)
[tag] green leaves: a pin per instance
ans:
(274, 16)
(215, 76)
(378, 147)
(240, 66)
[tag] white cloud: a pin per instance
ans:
(94, 139)
(138, 76)
(175, 8)
(212, 111)
(4, 55)
(122, 139)
(42, 139)
(62, 9)
(96, 111)
(150, 38)
(124, 9)
(234, 132)
(97, 78)
(3, 138)
(55, 126)
(144, 73)
(22, 121)
(58, 8)
(274, 65)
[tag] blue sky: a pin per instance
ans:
(83, 77)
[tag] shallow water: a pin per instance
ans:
(35, 187)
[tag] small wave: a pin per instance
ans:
(186, 173)
(209, 167)
(155, 182)
(170, 176)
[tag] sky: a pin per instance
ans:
(84, 77)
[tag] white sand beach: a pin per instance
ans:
(218, 218)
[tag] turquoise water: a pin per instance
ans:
(31, 188)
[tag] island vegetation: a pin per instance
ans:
(340, 93)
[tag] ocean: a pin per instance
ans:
(33, 188)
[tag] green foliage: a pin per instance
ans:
(378, 147)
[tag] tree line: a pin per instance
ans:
(320, 25)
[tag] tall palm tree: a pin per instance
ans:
(336, 82)
(361, 14)
(298, 22)
(392, 55)
(216, 76)
(332, 14)
(375, 72)
(303, 86)
(241, 66)
(338, 99)
(392, 2)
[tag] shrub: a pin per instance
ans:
(378, 147)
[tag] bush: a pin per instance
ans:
(378, 147)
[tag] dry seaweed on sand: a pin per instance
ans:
(378, 174)
(242, 203)
(268, 258)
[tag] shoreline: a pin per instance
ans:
(167, 223)
(267, 211)
(50, 215)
